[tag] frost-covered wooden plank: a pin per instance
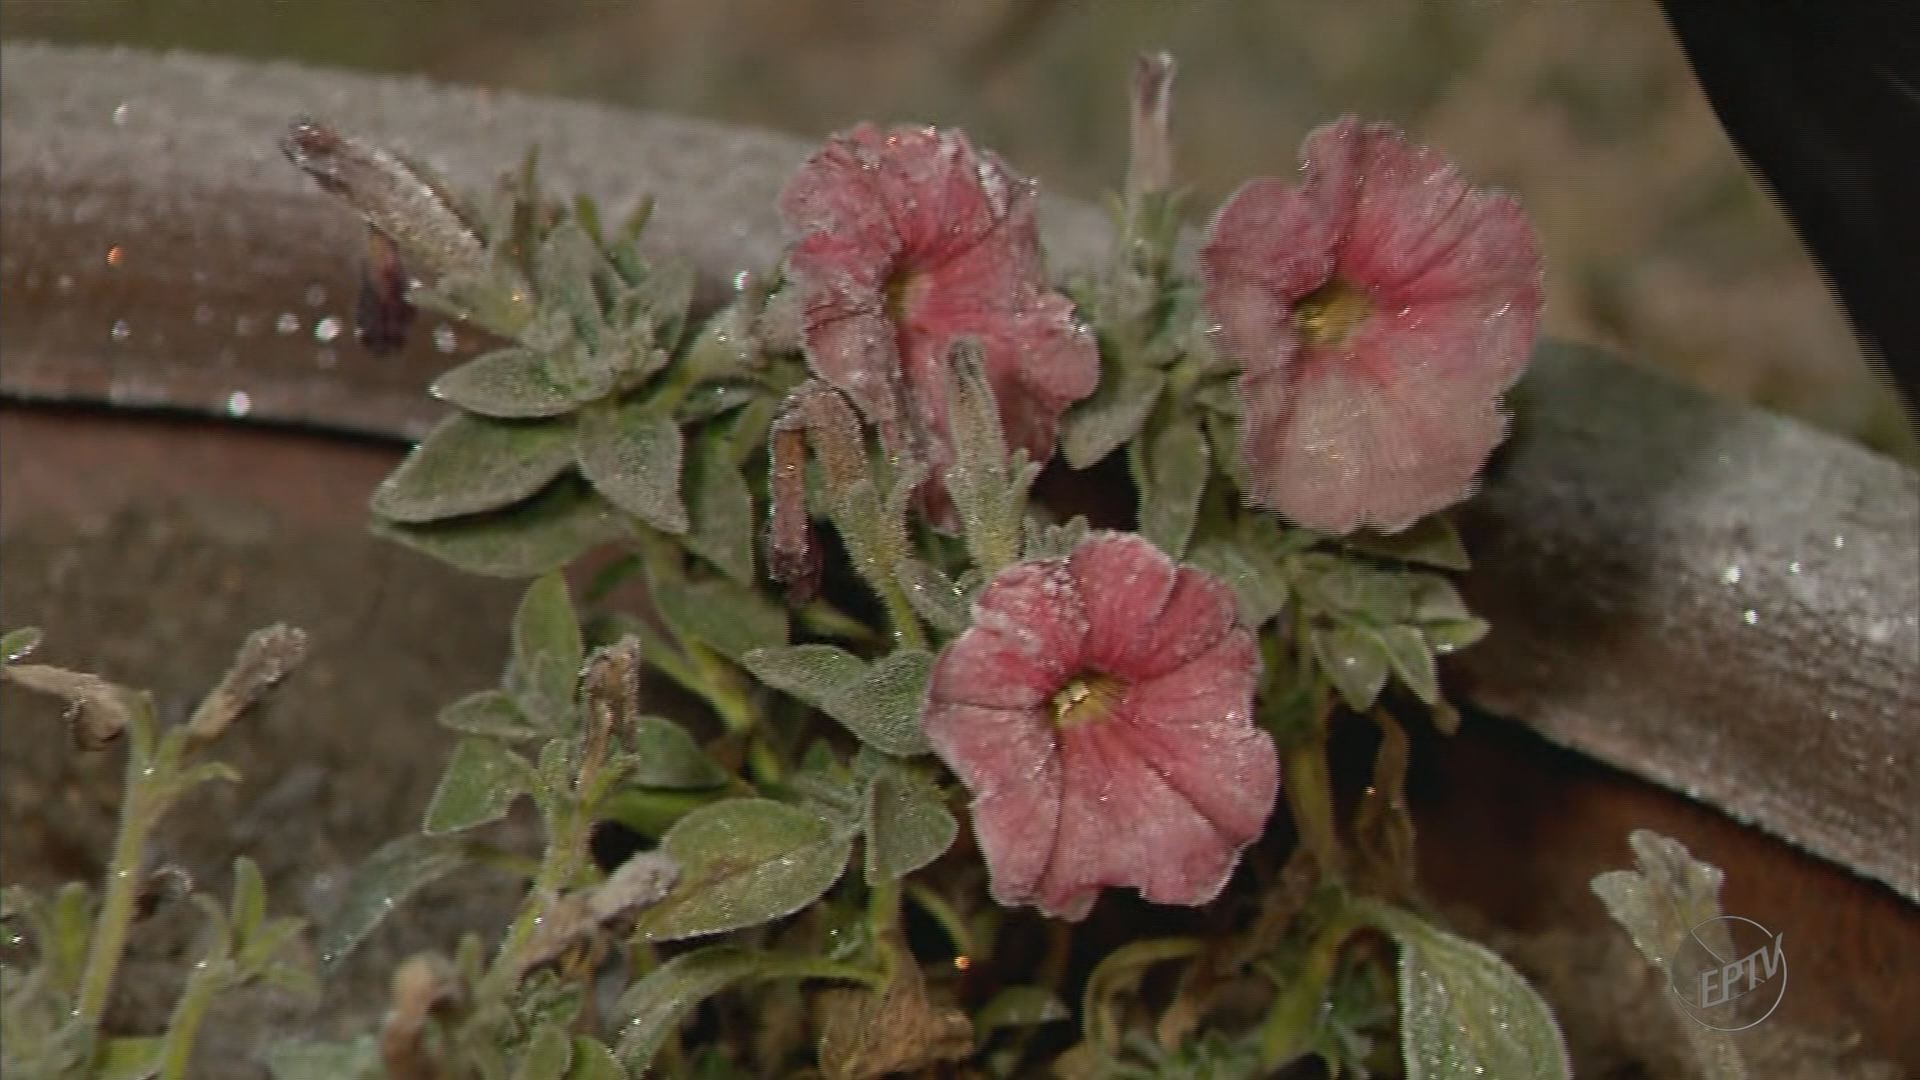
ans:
(1717, 599)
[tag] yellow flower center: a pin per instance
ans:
(1328, 314)
(1087, 698)
(903, 289)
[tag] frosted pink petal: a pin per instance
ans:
(1160, 787)
(1393, 421)
(1009, 760)
(905, 241)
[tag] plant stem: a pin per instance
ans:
(202, 987)
(139, 811)
(1309, 788)
(1296, 1010)
(907, 632)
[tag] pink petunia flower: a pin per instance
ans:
(1100, 709)
(1378, 310)
(906, 240)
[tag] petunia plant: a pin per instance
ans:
(892, 616)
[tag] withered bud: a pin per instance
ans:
(421, 985)
(98, 711)
(266, 657)
(165, 884)
(1150, 167)
(576, 931)
(383, 313)
(611, 685)
(393, 196)
(816, 417)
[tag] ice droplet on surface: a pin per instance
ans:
(121, 331)
(239, 403)
(287, 323)
(326, 329)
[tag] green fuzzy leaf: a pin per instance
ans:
(659, 1003)
(480, 783)
(592, 1060)
(67, 933)
(1019, 1006)
(548, 1055)
(547, 647)
(395, 871)
(249, 900)
(1259, 586)
(564, 269)
(632, 457)
(134, 1058)
(1412, 661)
(731, 618)
(1431, 541)
(907, 824)
(259, 948)
(1434, 599)
(508, 384)
(1053, 541)
(812, 673)
(1170, 469)
(1113, 415)
(883, 705)
(744, 862)
(16, 644)
(933, 595)
(308, 1060)
(1466, 1014)
(469, 464)
(879, 703)
(665, 756)
(1448, 637)
(1354, 590)
(1354, 661)
(491, 713)
(541, 534)
(720, 508)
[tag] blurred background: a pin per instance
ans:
(1658, 242)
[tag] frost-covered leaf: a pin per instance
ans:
(1170, 469)
(547, 646)
(933, 596)
(654, 1007)
(492, 713)
(883, 705)
(1054, 541)
(907, 824)
(1019, 1006)
(481, 782)
(744, 862)
(632, 457)
(510, 384)
(880, 702)
(303, 1059)
(1112, 415)
(1434, 599)
(1431, 541)
(1412, 661)
(1466, 1014)
(469, 464)
(665, 756)
(733, 619)
(1259, 585)
(16, 644)
(720, 508)
(544, 533)
(812, 673)
(1354, 661)
(397, 870)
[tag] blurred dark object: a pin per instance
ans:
(1823, 101)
